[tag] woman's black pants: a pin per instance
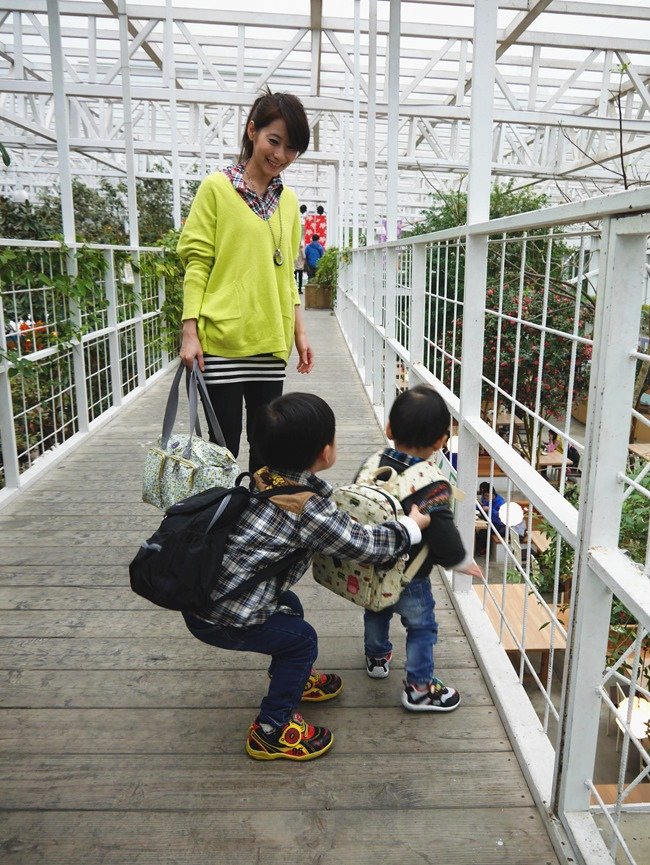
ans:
(228, 400)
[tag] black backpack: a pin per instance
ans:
(178, 566)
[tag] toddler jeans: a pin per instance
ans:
(415, 608)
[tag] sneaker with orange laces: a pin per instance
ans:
(322, 686)
(296, 740)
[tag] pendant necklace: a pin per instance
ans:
(278, 258)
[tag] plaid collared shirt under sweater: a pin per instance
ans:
(264, 206)
(267, 532)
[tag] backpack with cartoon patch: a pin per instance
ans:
(374, 498)
(369, 586)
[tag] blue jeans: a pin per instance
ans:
(415, 608)
(289, 639)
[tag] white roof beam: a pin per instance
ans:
(345, 57)
(519, 25)
(270, 69)
(639, 85)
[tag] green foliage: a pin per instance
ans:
(171, 268)
(155, 208)
(548, 559)
(632, 539)
(4, 154)
(101, 212)
(327, 270)
(51, 312)
(635, 517)
(518, 298)
(449, 208)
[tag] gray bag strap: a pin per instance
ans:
(195, 381)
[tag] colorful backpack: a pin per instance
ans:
(374, 498)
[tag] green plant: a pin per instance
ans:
(327, 270)
(544, 579)
(515, 305)
(170, 267)
(4, 154)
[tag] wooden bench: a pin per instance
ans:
(484, 467)
(539, 541)
(517, 597)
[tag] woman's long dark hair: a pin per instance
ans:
(277, 106)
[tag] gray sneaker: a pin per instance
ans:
(378, 668)
(436, 698)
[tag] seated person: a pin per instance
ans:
(554, 443)
(490, 501)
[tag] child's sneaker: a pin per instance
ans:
(436, 697)
(378, 668)
(296, 740)
(322, 686)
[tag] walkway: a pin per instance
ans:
(122, 736)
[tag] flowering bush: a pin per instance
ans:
(522, 360)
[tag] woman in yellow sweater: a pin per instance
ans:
(241, 309)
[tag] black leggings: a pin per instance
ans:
(227, 401)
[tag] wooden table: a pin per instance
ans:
(640, 449)
(555, 458)
(505, 419)
(538, 627)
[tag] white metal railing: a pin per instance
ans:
(551, 335)
(81, 333)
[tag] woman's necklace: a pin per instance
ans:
(278, 258)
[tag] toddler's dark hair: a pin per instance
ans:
(293, 429)
(419, 417)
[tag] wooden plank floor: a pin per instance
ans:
(122, 736)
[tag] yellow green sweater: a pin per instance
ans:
(243, 302)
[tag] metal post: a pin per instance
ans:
(478, 209)
(356, 89)
(371, 122)
(618, 313)
(392, 150)
(7, 429)
(170, 75)
(67, 202)
(129, 154)
(113, 336)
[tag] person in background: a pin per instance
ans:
(553, 443)
(314, 251)
(490, 501)
(299, 267)
(241, 308)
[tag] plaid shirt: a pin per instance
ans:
(267, 532)
(265, 206)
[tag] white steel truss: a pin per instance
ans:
(570, 102)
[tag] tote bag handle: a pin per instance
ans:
(195, 381)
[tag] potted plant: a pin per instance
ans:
(320, 293)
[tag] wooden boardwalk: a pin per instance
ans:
(122, 736)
